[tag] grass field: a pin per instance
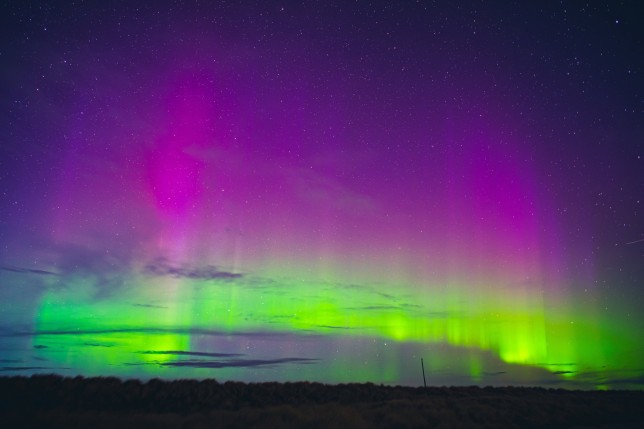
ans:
(54, 401)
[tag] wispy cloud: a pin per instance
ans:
(28, 271)
(238, 363)
(188, 353)
(30, 368)
(325, 191)
(149, 305)
(335, 327)
(105, 268)
(495, 373)
(627, 380)
(375, 307)
(162, 267)
(365, 288)
(613, 377)
(405, 308)
(151, 331)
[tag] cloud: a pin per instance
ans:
(411, 308)
(76, 259)
(613, 377)
(238, 363)
(104, 268)
(628, 380)
(28, 271)
(29, 368)
(375, 307)
(149, 305)
(335, 327)
(186, 353)
(325, 191)
(609, 377)
(405, 307)
(152, 331)
(555, 364)
(162, 267)
(365, 288)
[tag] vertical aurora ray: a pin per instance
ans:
(305, 198)
(514, 332)
(491, 294)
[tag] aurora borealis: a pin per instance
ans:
(323, 191)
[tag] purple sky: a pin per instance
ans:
(409, 143)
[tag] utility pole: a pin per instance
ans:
(422, 365)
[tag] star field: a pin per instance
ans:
(323, 191)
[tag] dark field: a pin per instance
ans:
(53, 401)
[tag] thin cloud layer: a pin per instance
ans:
(163, 268)
(237, 363)
(188, 353)
(149, 306)
(30, 368)
(28, 271)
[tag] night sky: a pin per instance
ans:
(324, 191)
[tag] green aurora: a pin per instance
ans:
(118, 334)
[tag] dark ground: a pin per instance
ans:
(53, 401)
